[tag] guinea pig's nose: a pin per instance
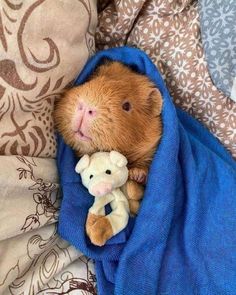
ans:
(91, 112)
(87, 110)
(81, 106)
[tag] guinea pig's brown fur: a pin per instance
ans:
(134, 133)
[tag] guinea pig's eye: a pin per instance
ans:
(91, 176)
(126, 106)
(108, 172)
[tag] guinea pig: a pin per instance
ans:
(116, 109)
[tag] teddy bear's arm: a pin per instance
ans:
(98, 207)
(119, 196)
(120, 212)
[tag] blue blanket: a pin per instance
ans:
(183, 241)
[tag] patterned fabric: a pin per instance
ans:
(37, 61)
(169, 32)
(218, 29)
(40, 53)
(33, 259)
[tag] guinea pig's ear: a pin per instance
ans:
(155, 100)
(118, 159)
(82, 164)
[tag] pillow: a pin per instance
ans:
(44, 45)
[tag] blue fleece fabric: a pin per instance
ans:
(183, 241)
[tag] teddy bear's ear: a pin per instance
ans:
(82, 164)
(118, 159)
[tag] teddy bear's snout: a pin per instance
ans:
(101, 189)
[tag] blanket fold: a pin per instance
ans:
(184, 239)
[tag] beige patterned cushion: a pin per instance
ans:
(43, 45)
(33, 258)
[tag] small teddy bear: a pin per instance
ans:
(103, 174)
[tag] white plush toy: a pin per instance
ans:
(103, 174)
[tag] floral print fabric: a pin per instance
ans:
(218, 29)
(169, 32)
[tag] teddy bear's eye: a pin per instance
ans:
(91, 176)
(108, 172)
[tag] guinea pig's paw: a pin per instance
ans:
(91, 220)
(134, 190)
(133, 207)
(139, 175)
(134, 193)
(101, 231)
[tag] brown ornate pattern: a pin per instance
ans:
(169, 32)
(45, 195)
(53, 267)
(33, 258)
(43, 46)
(39, 57)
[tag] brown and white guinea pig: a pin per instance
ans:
(116, 109)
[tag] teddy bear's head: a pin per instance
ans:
(103, 172)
